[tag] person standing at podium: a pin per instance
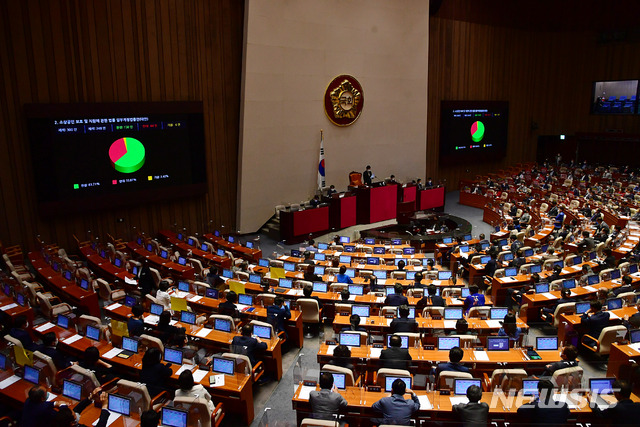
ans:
(367, 176)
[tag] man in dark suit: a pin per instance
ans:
(519, 260)
(589, 243)
(594, 320)
(395, 357)
(403, 323)
(396, 299)
(278, 313)
(307, 291)
(474, 413)
(626, 286)
(490, 267)
(455, 356)
(19, 332)
(568, 356)
(36, 408)
(248, 345)
(625, 412)
(544, 410)
(326, 403)
(229, 306)
(49, 347)
(367, 176)
(430, 299)
(396, 409)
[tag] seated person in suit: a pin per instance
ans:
(401, 265)
(491, 266)
(342, 277)
(430, 299)
(326, 403)
(167, 331)
(396, 299)
(135, 324)
(37, 408)
(307, 291)
(91, 361)
(417, 280)
(310, 276)
(20, 333)
(519, 260)
(475, 299)
(162, 295)
(229, 307)
(633, 322)
(344, 296)
(342, 357)
(395, 409)
(474, 413)
(248, 345)
(403, 323)
(544, 410)
(154, 373)
(510, 328)
(462, 328)
(50, 348)
(278, 314)
(315, 202)
(594, 320)
(455, 356)
(568, 356)
(626, 286)
(625, 412)
(395, 357)
(354, 324)
(149, 418)
(546, 312)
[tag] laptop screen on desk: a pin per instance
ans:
(227, 273)
(351, 272)
(245, 299)
(389, 290)
(289, 266)
(559, 263)
(546, 343)
(119, 404)
(349, 248)
(380, 274)
(409, 251)
(31, 374)
(396, 241)
(345, 259)
(339, 380)
(485, 259)
(633, 268)
(117, 262)
(261, 262)
(222, 365)
(356, 289)
(156, 309)
(369, 241)
(63, 321)
(508, 257)
(465, 292)
(323, 246)
(498, 313)
(172, 417)
(569, 283)
(344, 239)
(528, 252)
(447, 240)
(577, 260)
(204, 247)
(510, 271)
(360, 310)
(447, 343)
(634, 336)
(601, 385)
(614, 303)
(164, 254)
(92, 332)
(188, 317)
(262, 331)
(172, 355)
(378, 250)
(255, 278)
(249, 245)
(67, 275)
(209, 293)
(535, 268)
(130, 344)
(350, 340)
(84, 284)
(412, 312)
(3, 362)
(464, 249)
(130, 301)
(320, 287)
(285, 283)
(72, 390)
(582, 307)
(594, 279)
(497, 343)
(182, 260)
(460, 385)
(444, 275)
(615, 274)
(452, 313)
(320, 257)
(222, 325)
(388, 383)
(530, 388)
(318, 270)
(295, 253)
(220, 252)
(411, 275)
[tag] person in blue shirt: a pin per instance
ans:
(557, 222)
(455, 356)
(396, 299)
(510, 328)
(395, 409)
(342, 277)
(135, 324)
(475, 299)
(278, 313)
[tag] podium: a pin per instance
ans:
(376, 204)
(431, 198)
(342, 211)
(301, 223)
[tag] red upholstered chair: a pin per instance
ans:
(355, 179)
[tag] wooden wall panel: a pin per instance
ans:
(61, 51)
(546, 77)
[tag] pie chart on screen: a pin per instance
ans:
(477, 131)
(127, 155)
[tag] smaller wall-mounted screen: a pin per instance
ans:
(473, 130)
(615, 97)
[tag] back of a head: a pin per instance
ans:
(418, 277)
(401, 265)
(345, 294)
(20, 321)
(307, 290)
(354, 320)
(37, 394)
(395, 341)
(596, 306)
(462, 326)
(149, 418)
(326, 381)
(343, 269)
(474, 393)
(137, 310)
(185, 380)
(165, 318)
(49, 339)
(455, 355)
(247, 330)
(403, 310)
(570, 352)
(91, 355)
(624, 388)
(432, 290)
(278, 301)
(163, 285)
(151, 357)
(398, 387)
(232, 296)
(473, 289)
(342, 351)
(398, 288)
(64, 417)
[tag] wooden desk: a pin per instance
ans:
(299, 224)
(620, 357)
(572, 323)
(375, 204)
(342, 211)
(13, 310)
(103, 266)
(208, 257)
(431, 198)
(175, 269)
(247, 253)
(69, 291)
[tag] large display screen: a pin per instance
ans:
(614, 97)
(95, 156)
(473, 130)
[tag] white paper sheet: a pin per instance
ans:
(330, 349)
(493, 324)
(184, 368)
(380, 300)
(613, 316)
(375, 353)
(590, 288)
(203, 332)
(195, 298)
(437, 282)
(217, 380)
(8, 306)
(112, 417)
(635, 346)
(45, 327)
(112, 353)
(548, 295)
(51, 396)
(152, 319)
(113, 306)
(458, 399)
(7, 382)
(481, 355)
(199, 375)
(450, 324)
(352, 297)
(72, 339)
(129, 281)
(305, 391)
(425, 404)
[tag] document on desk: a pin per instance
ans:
(388, 321)
(216, 380)
(72, 339)
(199, 375)
(455, 400)
(375, 353)
(425, 404)
(45, 327)
(297, 292)
(380, 300)
(113, 306)
(305, 390)
(493, 324)
(203, 332)
(152, 319)
(450, 324)
(635, 346)
(590, 288)
(352, 297)
(8, 306)
(112, 417)
(184, 368)
(548, 295)
(613, 316)
(6, 383)
(330, 349)
(112, 353)
(51, 396)
(481, 355)
(195, 298)
(129, 281)
(437, 282)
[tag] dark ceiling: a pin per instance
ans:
(544, 15)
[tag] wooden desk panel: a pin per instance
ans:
(175, 269)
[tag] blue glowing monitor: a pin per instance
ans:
(72, 390)
(389, 380)
(223, 366)
(614, 303)
(320, 257)
(345, 259)
(323, 246)
(318, 270)
(453, 313)
(498, 313)
(285, 283)
(497, 343)
(255, 278)
(344, 239)
(535, 268)
(289, 266)
(339, 380)
(173, 355)
(460, 385)
(349, 339)
(360, 310)
(262, 262)
(372, 260)
(582, 307)
(380, 274)
(369, 241)
(262, 331)
(444, 275)
(172, 417)
(188, 317)
(542, 288)
(378, 250)
(356, 289)
(404, 341)
(546, 343)
(320, 287)
(447, 343)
